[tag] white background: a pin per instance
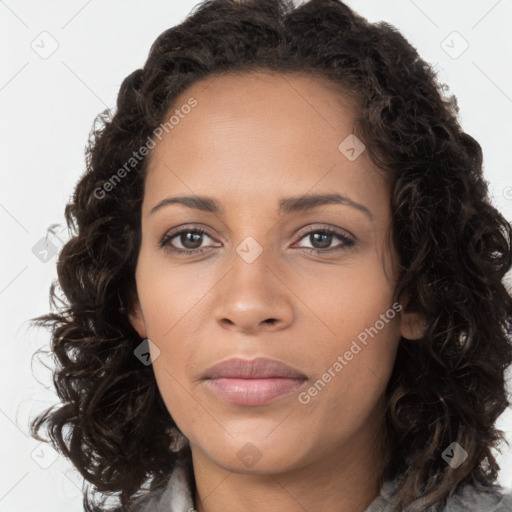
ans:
(47, 109)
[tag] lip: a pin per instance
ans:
(253, 382)
(253, 392)
(259, 368)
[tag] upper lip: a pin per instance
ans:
(261, 367)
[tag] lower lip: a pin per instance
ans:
(253, 391)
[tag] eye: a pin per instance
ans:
(321, 240)
(189, 241)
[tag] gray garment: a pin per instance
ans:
(468, 499)
(177, 497)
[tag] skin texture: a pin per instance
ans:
(253, 139)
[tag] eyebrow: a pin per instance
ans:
(286, 205)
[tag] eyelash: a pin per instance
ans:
(165, 241)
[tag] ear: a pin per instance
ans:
(412, 322)
(136, 318)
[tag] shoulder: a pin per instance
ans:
(466, 498)
(175, 496)
(472, 499)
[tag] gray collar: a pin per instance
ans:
(177, 497)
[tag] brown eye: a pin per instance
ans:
(186, 241)
(321, 240)
(190, 239)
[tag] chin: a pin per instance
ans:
(253, 457)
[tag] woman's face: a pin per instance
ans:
(252, 143)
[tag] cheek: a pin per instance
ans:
(342, 300)
(355, 355)
(169, 296)
(181, 396)
(172, 373)
(352, 377)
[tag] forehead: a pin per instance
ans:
(267, 133)
(262, 104)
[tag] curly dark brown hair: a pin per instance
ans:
(454, 249)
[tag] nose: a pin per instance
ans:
(253, 297)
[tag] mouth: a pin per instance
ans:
(253, 392)
(253, 382)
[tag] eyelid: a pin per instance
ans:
(312, 228)
(164, 241)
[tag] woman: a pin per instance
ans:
(284, 290)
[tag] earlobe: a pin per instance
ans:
(412, 326)
(412, 323)
(137, 319)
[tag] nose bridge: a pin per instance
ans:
(250, 268)
(252, 241)
(251, 293)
